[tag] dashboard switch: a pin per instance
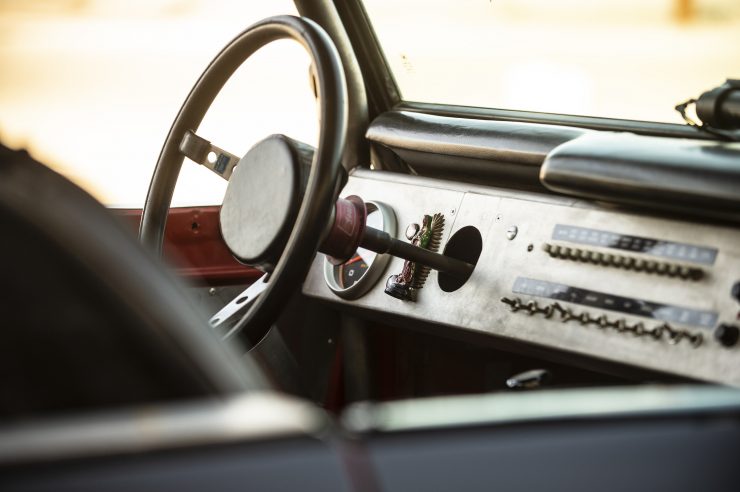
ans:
(727, 334)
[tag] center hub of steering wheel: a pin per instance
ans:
(262, 200)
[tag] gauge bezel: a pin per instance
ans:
(374, 271)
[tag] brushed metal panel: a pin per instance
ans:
(476, 306)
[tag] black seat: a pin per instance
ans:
(89, 320)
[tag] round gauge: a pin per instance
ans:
(354, 277)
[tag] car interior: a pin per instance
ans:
(432, 297)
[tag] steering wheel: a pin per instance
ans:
(281, 194)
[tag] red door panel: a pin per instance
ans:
(193, 245)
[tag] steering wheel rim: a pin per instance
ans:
(324, 178)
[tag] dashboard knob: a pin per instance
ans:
(735, 292)
(727, 334)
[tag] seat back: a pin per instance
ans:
(89, 319)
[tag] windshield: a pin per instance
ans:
(631, 59)
(91, 88)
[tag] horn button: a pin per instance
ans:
(262, 200)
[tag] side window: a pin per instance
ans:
(92, 87)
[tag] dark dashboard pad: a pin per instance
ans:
(468, 149)
(701, 178)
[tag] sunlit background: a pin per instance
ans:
(631, 59)
(92, 86)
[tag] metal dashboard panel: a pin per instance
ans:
(477, 305)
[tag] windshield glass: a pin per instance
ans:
(91, 88)
(632, 59)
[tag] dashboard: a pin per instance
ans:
(566, 274)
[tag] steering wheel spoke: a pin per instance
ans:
(240, 302)
(203, 152)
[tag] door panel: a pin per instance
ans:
(193, 245)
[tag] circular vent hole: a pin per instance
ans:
(466, 245)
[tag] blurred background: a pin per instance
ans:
(631, 59)
(91, 86)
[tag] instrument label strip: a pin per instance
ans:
(655, 247)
